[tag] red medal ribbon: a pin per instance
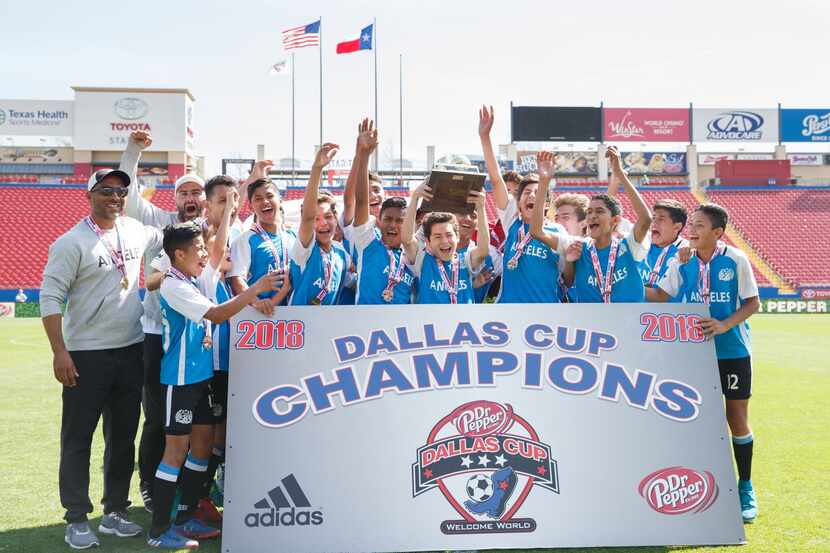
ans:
(282, 262)
(704, 281)
(605, 285)
(116, 255)
(173, 272)
(394, 275)
(658, 265)
(523, 239)
(328, 270)
(451, 287)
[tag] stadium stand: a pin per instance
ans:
(778, 224)
(32, 216)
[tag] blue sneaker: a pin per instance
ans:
(171, 539)
(198, 530)
(749, 505)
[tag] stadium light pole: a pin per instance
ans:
(293, 159)
(320, 48)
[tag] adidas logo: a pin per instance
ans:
(293, 510)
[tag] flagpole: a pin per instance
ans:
(400, 104)
(321, 79)
(293, 158)
(375, 50)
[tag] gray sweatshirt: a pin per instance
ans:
(99, 314)
(152, 215)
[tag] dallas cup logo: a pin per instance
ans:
(485, 460)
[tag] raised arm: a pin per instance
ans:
(643, 223)
(352, 181)
(136, 206)
(220, 239)
(485, 125)
(545, 162)
(367, 141)
(309, 210)
(410, 244)
(482, 249)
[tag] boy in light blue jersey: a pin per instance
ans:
(530, 265)
(443, 275)
(721, 276)
(186, 375)
(383, 276)
(322, 262)
(491, 267)
(604, 268)
(265, 247)
(669, 218)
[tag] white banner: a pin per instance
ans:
(436, 427)
(735, 125)
(711, 159)
(806, 159)
(104, 120)
(36, 117)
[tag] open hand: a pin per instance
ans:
(325, 154)
(712, 327)
(260, 169)
(545, 164)
(485, 121)
(367, 137)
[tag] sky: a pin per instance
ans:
(456, 56)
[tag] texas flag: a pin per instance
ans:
(362, 43)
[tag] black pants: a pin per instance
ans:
(109, 384)
(151, 446)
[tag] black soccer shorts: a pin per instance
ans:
(220, 397)
(736, 377)
(187, 405)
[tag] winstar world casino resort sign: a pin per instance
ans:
(105, 117)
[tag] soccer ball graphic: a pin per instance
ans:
(480, 487)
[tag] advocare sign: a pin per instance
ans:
(475, 427)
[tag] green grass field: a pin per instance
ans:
(789, 415)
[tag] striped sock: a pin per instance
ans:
(742, 446)
(164, 490)
(193, 476)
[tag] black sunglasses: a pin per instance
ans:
(110, 191)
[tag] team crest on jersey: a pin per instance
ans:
(485, 459)
(184, 416)
(726, 274)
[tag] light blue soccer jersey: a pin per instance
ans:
(492, 263)
(649, 271)
(186, 360)
(431, 287)
(535, 278)
(373, 269)
(311, 263)
(731, 282)
(627, 286)
(251, 256)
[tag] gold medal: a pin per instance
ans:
(125, 283)
(207, 343)
(315, 301)
(512, 264)
(388, 295)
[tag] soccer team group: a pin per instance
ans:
(202, 266)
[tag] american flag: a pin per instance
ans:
(302, 36)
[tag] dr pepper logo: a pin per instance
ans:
(485, 459)
(678, 490)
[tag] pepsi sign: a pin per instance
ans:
(735, 125)
(805, 125)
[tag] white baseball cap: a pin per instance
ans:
(189, 178)
(101, 174)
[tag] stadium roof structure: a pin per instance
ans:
(141, 90)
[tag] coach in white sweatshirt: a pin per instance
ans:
(94, 269)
